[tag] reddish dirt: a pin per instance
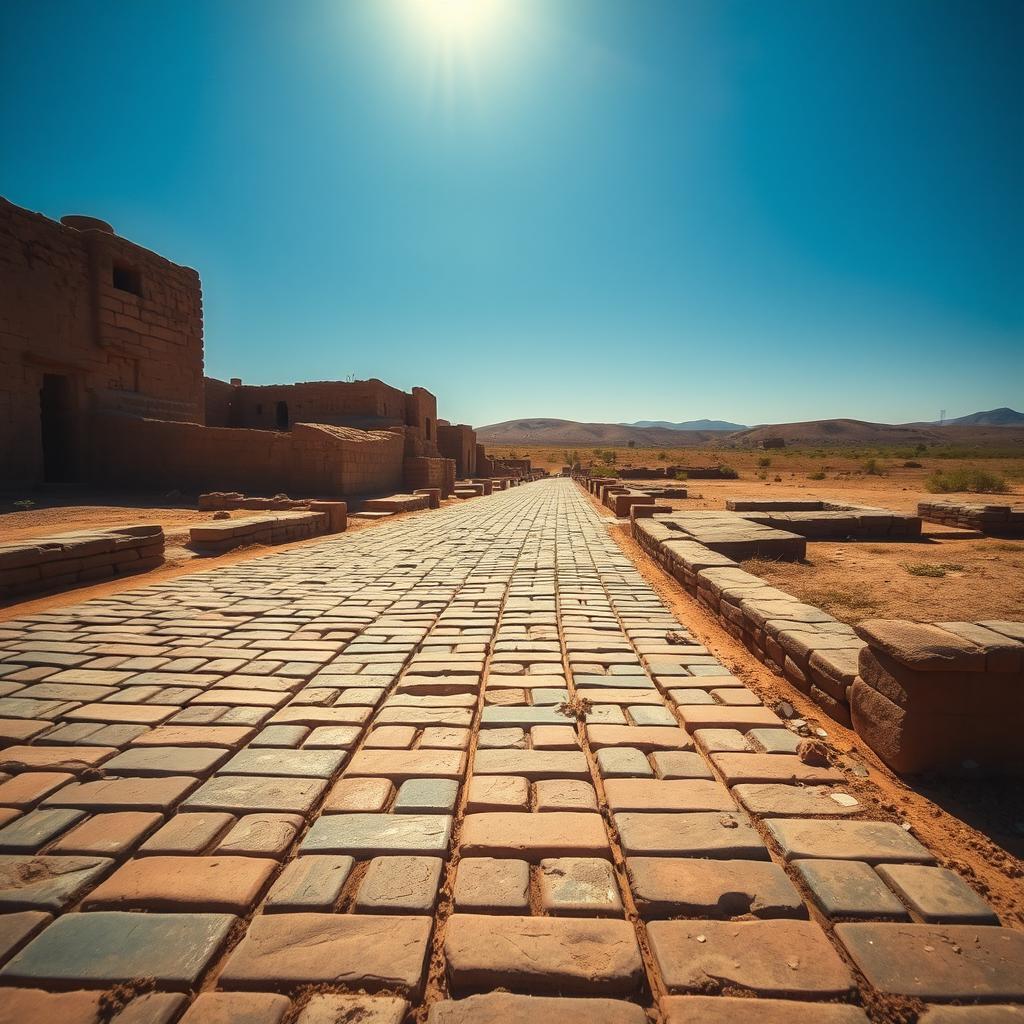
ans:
(976, 828)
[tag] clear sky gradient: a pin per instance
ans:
(643, 209)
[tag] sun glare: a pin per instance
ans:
(458, 22)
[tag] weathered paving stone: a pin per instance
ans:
(490, 885)
(308, 764)
(849, 888)
(16, 930)
(373, 835)
(694, 887)
(777, 800)
(166, 761)
(188, 833)
(261, 835)
(533, 764)
(399, 765)
(363, 951)
(427, 796)
(583, 886)
(312, 883)
(229, 736)
(738, 1010)
(938, 961)
(36, 1006)
(571, 956)
(218, 884)
(679, 764)
(329, 1008)
(108, 835)
(720, 834)
(937, 895)
(740, 768)
(508, 1008)
(872, 841)
(242, 794)
(101, 949)
(771, 958)
(534, 836)
(714, 716)
(665, 795)
(237, 1008)
(26, 790)
(67, 759)
(498, 793)
(646, 738)
(48, 883)
(36, 828)
(623, 763)
(349, 796)
(400, 885)
(565, 795)
(972, 1015)
(134, 794)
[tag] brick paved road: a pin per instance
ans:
(336, 780)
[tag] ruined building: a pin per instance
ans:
(101, 381)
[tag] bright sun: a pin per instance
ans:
(460, 22)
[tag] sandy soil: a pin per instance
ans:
(976, 828)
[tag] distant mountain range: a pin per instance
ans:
(688, 425)
(998, 426)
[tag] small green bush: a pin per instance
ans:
(728, 473)
(977, 481)
(764, 461)
(820, 475)
(872, 468)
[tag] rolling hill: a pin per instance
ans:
(688, 425)
(993, 418)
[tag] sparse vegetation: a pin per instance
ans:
(819, 475)
(24, 504)
(764, 461)
(966, 478)
(932, 569)
(873, 468)
(729, 473)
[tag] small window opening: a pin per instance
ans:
(259, 408)
(426, 424)
(282, 415)
(127, 280)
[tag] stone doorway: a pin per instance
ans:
(57, 420)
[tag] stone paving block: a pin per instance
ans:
(108, 835)
(667, 795)
(312, 883)
(197, 761)
(228, 736)
(534, 836)
(305, 763)
(554, 737)
(937, 895)
(938, 961)
(646, 738)
(623, 763)
(721, 835)
(565, 795)
(721, 741)
(427, 796)
(261, 835)
(437, 737)
(495, 738)
(498, 793)
(571, 956)
(777, 800)
(399, 765)
(491, 885)
(692, 887)
(770, 958)
(237, 1008)
(289, 736)
(152, 1008)
(374, 835)
(16, 930)
(399, 885)
(36, 1006)
(35, 829)
(180, 884)
(363, 951)
(131, 794)
(49, 759)
(972, 1015)
(872, 841)
(242, 794)
(707, 716)
(390, 737)
(742, 768)
(679, 764)
(102, 949)
(740, 1010)
(775, 741)
(507, 1008)
(359, 795)
(330, 1008)
(579, 886)
(26, 790)
(188, 833)
(849, 888)
(533, 764)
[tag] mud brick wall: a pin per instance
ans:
(945, 696)
(421, 413)
(65, 560)
(361, 404)
(1001, 520)
(67, 312)
(218, 395)
(421, 473)
(310, 459)
(458, 442)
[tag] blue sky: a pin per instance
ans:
(642, 209)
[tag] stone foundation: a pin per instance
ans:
(276, 528)
(999, 520)
(819, 520)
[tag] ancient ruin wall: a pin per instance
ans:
(458, 442)
(311, 459)
(116, 326)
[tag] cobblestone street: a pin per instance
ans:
(464, 767)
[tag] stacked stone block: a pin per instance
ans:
(276, 528)
(1001, 520)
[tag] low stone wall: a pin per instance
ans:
(336, 511)
(730, 534)
(64, 560)
(419, 473)
(946, 696)
(273, 528)
(828, 519)
(1000, 520)
(397, 503)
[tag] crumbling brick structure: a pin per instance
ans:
(101, 378)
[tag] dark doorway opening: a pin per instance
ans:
(56, 409)
(282, 415)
